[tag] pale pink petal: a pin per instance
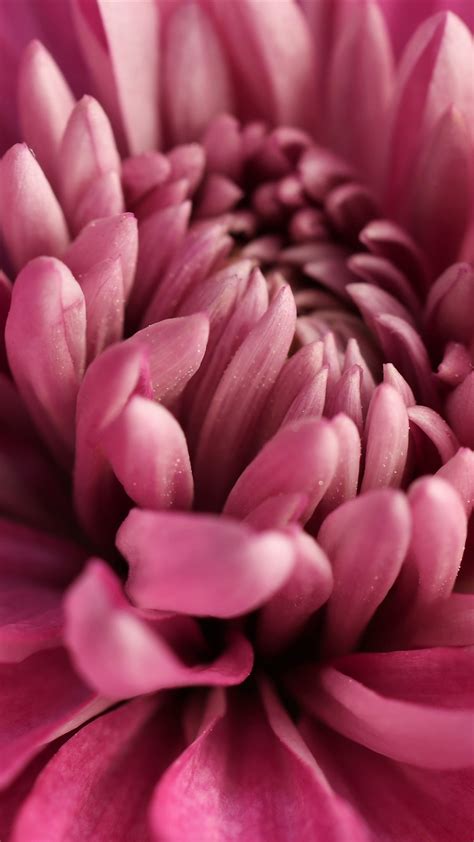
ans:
(147, 451)
(31, 218)
(411, 706)
(460, 411)
(45, 102)
(138, 741)
(455, 365)
(196, 83)
(87, 152)
(188, 161)
(227, 435)
(103, 292)
(301, 458)
(46, 344)
(386, 432)
(102, 198)
(110, 238)
(272, 56)
(249, 768)
(142, 173)
(362, 60)
(392, 377)
(219, 195)
(122, 654)
(309, 586)
(376, 528)
(346, 397)
(42, 698)
(200, 564)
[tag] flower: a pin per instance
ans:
(236, 421)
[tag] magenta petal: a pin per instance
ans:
(45, 103)
(195, 74)
(228, 432)
(121, 653)
(138, 741)
(103, 292)
(87, 152)
(413, 706)
(450, 303)
(147, 451)
(31, 218)
(449, 622)
(112, 238)
(301, 458)
(5, 300)
(436, 430)
(386, 431)
(344, 483)
(45, 337)
(38, 557)
(375, 527)
(250, 769)
(309, 586)
(176, 563)
(30, 618)
(42, 698)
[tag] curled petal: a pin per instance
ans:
(202, 565)
(121, 652)
(147, 451)
(31, 218)
(459, 471)
(435, 429)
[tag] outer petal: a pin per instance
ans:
(415, 707)
(42, 698)
(249, 769)
(376, 528)
(104, 794)
(122, 654)
(45, 337)
(202, 565)
(31, 218)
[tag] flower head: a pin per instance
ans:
(236, 421)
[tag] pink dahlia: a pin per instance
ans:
(236, 421)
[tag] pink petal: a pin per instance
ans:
(122, 654)
(219, 195)
(301, 458)
(460, 411)
(375, 527)
(45, 102)
(386, 432)
(249, 769)
(389, 241)
(281, 619)
(404, 347)
(45, 338)
(32, 221)
(272, 56)
(346, 397)
(147, 451)
(433, 75)
(195, 75)
(102, 198)
(160, 237)
(435, 429)
(188, 161)
(439, 529)
(42, 698)
(176, 563)
(459, 471)
(5, 300)
(446, 623)
(142, 173)
(442, 189)
(228, 433)
(362, 59)
(410, 706)
(278, 511)
(450, 302)
(38, 557)
(103, 292)
(455, 365)
(87, 152)
(30, 618)
(392, 377)
(138, 741)
(345, 480)
(110, 238)
(202, 251)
